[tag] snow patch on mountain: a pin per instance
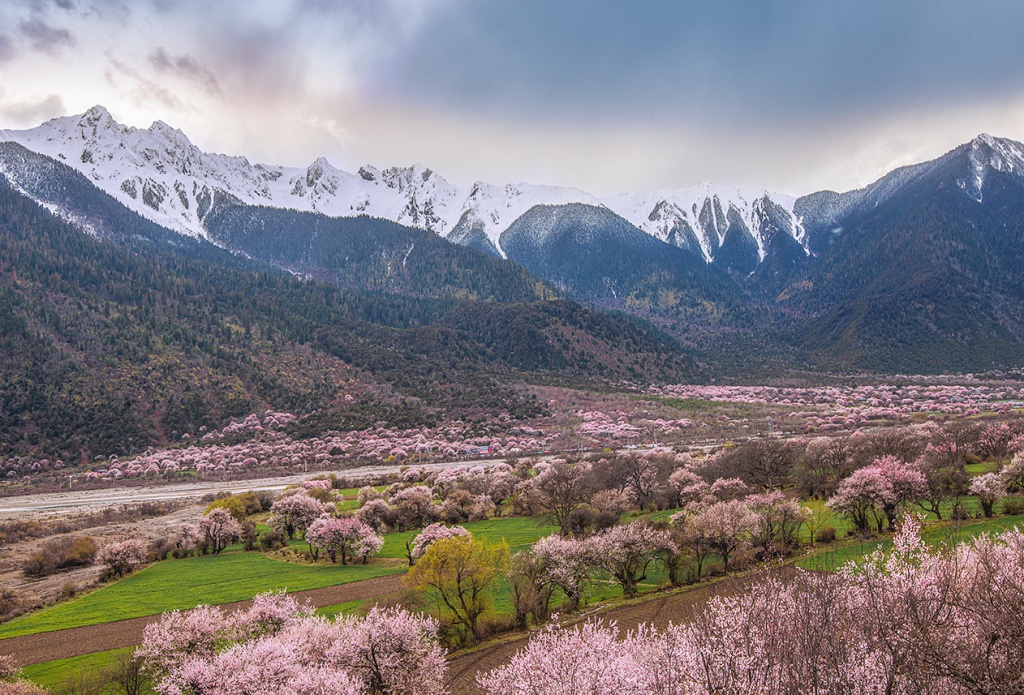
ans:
(704, 214)
(160, 174)
(987, 153)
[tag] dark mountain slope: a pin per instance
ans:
(927, 280)
(370, 254)
(600, 258)
(60, 187)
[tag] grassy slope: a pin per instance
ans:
(57, 674)
(215, 579)
(180, 584)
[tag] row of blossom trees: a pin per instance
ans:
(916, 621)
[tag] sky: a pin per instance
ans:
(792, 96)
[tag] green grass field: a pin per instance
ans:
(938, 532)
(519, 532)
(59, 674)
(341, 608)
(236, 576)
(180, 584)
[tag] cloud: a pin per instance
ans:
(7, 51)
(143, 89)
(331, 127)
(186, 67)
(47, 38)
(601, 94)
(31, 113)
(744, 63)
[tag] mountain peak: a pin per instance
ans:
(159, 129)
(97, 113)
(160, 126)
(1004, 148)
(987, 153)
(96, 120)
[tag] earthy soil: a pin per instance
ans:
(61, 644)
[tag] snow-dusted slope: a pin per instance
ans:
(160, 174)
(987, 153)
(489, 210)
(699, 217)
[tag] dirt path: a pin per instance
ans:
(658, 610)
(61, 644)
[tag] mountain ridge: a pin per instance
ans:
(915, 272)
(160, 174)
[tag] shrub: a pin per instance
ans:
(233, 503)
(271, 540)
(160, 548)
(64, 553)
(248, 535)
(1013, 505)
(605, 520)
(322, 494)
(265, 498)
(826, 534)
(580, 521)
(8, 602)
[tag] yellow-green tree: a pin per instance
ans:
(460, 572)
(235, 504)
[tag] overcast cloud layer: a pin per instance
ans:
(606, 96)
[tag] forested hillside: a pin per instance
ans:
(370, 254)
(107, 349)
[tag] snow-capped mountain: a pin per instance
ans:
(826, 214)
(915, 272)
(160, 174)
(700, 218)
